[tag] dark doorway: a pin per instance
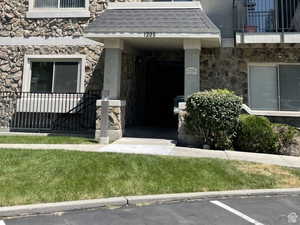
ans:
(164, 82)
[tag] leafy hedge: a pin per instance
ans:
(213, 116)
(258, 134)
(255, 134)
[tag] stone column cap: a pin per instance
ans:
(114, 103)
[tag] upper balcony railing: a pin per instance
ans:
(267, 15)
(57, 4)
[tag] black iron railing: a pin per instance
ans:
(74, 112)
(267, 15)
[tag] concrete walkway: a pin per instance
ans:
(164, 147)
(73, 147)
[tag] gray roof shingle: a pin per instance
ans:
(171, 20)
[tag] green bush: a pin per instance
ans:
(213, 116)
(255, 134)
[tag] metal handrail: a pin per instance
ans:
(266, 15)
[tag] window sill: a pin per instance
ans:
(60, 13)
(271, 113)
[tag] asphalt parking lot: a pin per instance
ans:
(259, 210)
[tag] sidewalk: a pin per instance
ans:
(72, 147)
(166, 148)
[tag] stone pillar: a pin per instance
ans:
(192, 50)
(116, 116)
(112, 67)
(184, 138)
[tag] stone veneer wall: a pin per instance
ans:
(116, 120)
(129, 86)
(11, 71)
(12, 62)
(13, 21)
(228, 67)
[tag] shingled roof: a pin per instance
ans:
(160, 20)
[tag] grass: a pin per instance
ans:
(45, 140)
(28, 176)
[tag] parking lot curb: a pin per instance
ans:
(23, 210)
(148, 199)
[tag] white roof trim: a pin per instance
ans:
(155, 5)
(157, 35)
(53, 41)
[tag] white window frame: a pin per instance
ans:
(81, 59)
(269, 112)
(35, 13)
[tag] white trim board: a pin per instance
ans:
(155, 5)
(74, 13)
(53, 41)
(270, 113)
(213, 38)
(267, 38)
(52, 58)
(157, 35)
(35, 13)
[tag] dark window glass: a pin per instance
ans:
(289, 79)
(41, 76)
(65, 78)
(66, 74)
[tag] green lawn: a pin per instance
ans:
(44, 140)
(49, 176)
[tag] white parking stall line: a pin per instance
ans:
(2, 222)
(236, 212)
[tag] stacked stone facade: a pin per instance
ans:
(12, 63)
(116, 113)
(14, 24)
(13, 21)
(228, 67)
(220, 67)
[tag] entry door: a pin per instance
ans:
(263, 87)
(165, 81)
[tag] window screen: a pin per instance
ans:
(289, 77)
(46, 4)
(66, 74)
(263, 88)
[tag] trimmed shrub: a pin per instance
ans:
(255, 134)
(213, 116)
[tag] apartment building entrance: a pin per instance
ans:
(159, 26)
